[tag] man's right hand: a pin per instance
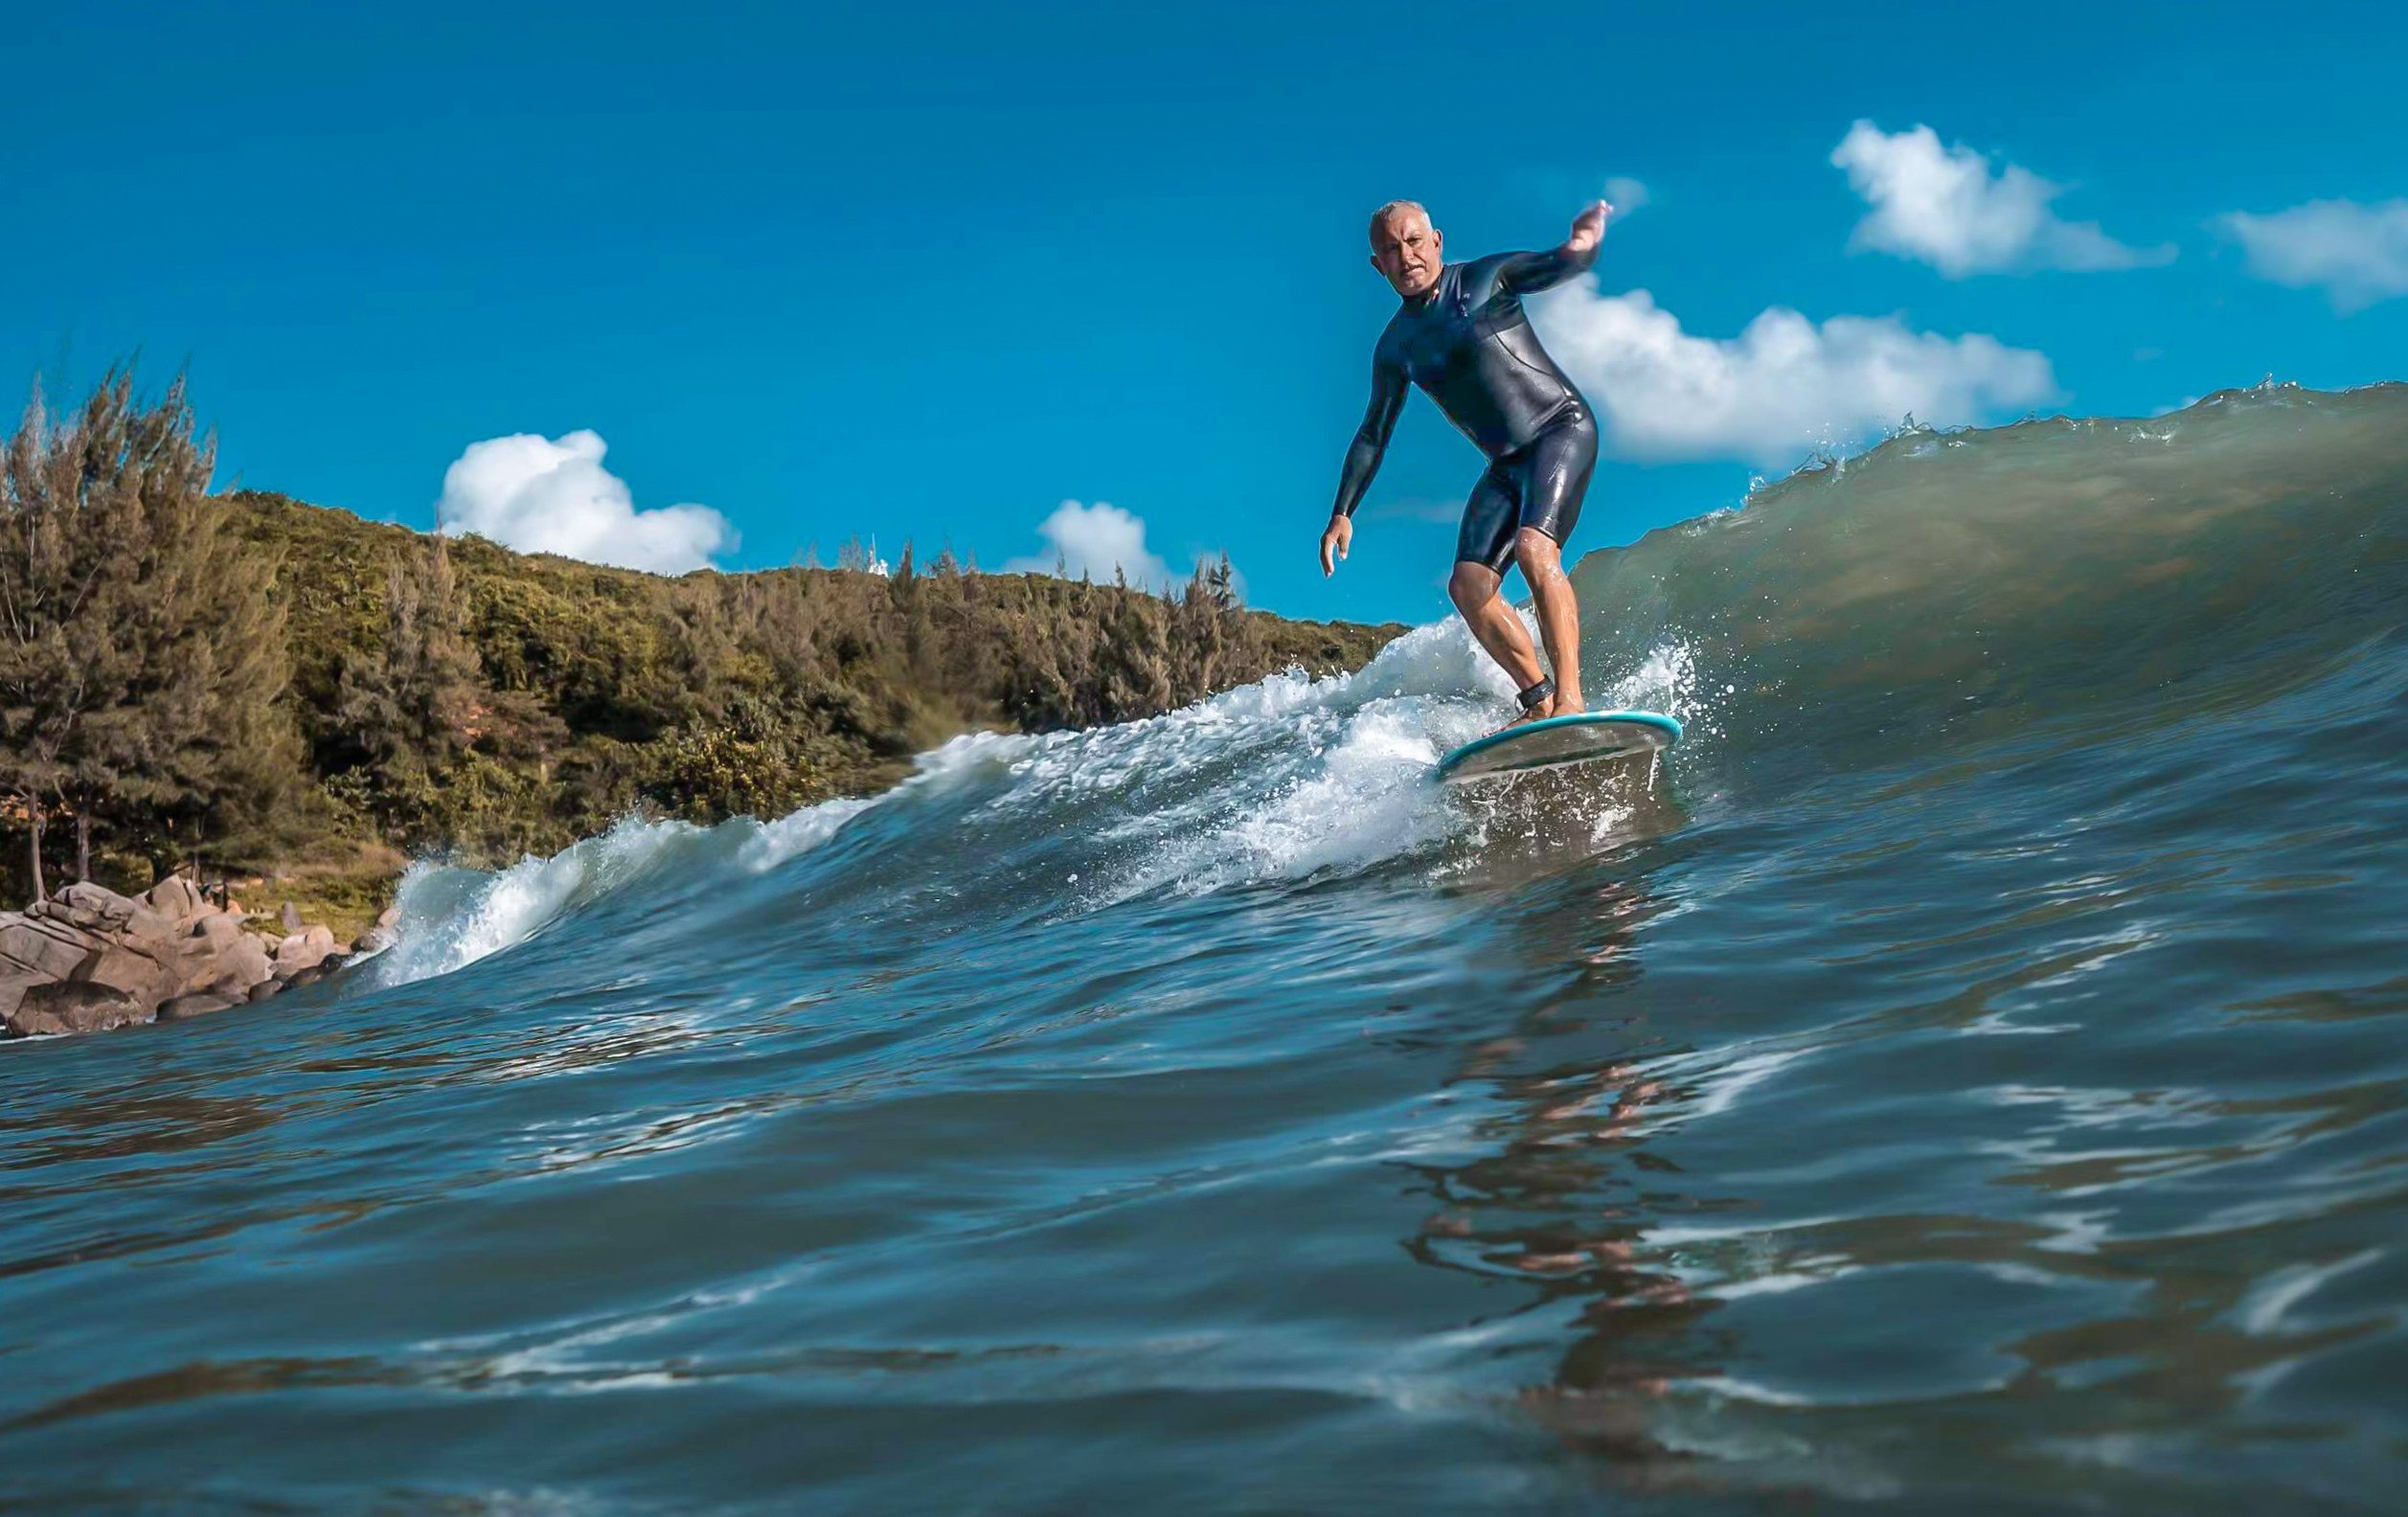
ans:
(1335, 540)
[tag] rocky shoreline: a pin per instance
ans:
(88, 959)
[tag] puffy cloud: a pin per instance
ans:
(545, 495)
(1945, 206)
(1783, 387)
(2356, 254)
(1097, 540)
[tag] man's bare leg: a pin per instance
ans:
(1473, 587)
(1541, 559)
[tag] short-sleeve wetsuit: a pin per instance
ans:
(1468, 343)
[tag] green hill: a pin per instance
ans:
(453, 693)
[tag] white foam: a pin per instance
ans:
(798, 832)
(1284, 778)
(451, 917)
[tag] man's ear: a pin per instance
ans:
(1376, 265)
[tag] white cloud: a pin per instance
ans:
(2356, 254)
(541, 496)
(1095, 540)
(1944, 206)
(1625, 194)
(1783, 387)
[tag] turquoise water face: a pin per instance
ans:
(1968, 1070)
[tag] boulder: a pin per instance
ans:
(38, 947)
(128, 970)
(292, 918)
(91, 958)
(57, 909)
(115, 909)
(148, 927)
(244, 961)
(304, 949)
(214, 949)
(72, 1006)
(374, 940)
(197, 1003)
(176, 898)
(221, 930)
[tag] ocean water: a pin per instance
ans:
(1970, 1073)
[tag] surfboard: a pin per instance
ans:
(1580, 737)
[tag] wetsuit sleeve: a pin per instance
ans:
(1528, 273)
(1371, 438)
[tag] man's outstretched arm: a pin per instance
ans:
(1362, 459)
(1528, 272)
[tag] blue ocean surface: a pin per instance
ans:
(1968, 1073)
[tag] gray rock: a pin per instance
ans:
(176, 898)
(72, 1006)
(266, 988)
(390, 918)
(129, 971)
(199, 1003)
(303, 949)
(113, 909)
(292, 918)
(245, 960)
(40, 948)
(374, 940)
(222, 930)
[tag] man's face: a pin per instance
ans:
(1405, 250)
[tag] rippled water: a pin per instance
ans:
(1967, 1073)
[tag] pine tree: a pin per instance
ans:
(138, 658)
(66, 516)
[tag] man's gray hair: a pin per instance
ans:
(1394, 207)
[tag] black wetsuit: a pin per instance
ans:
(1468, 345)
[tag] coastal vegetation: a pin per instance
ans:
(289, 695)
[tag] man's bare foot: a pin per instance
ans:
(1539, 712)
(1567, 703)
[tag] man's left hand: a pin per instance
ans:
(1588, 229)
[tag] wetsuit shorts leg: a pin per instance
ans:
(1538, 485)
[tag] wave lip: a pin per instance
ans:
(451, 917)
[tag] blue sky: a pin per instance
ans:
(930, 272)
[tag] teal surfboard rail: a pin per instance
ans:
(1557, 741)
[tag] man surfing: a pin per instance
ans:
(1461, 335)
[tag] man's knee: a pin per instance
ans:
(1471, 586)
(1537, 553)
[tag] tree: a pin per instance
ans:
(136, 643)
(198, 745)
(405, 707)
(58, 578)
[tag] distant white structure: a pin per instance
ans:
(862, 560)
